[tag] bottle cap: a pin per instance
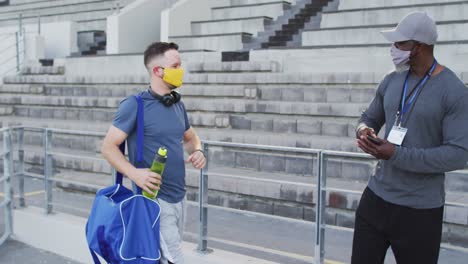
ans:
(162, 151)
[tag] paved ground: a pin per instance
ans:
(14, 252)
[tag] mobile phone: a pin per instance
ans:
(374, 140)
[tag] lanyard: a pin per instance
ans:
(405, 106)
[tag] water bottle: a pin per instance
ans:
(158, 165)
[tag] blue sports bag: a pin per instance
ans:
(123, 227)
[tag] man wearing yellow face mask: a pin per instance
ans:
(165, 125)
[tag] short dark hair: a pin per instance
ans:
(158, 48)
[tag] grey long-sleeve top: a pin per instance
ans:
(436, 141)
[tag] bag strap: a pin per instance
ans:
(95, 257)
(140, 127)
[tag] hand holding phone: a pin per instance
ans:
(374, 140)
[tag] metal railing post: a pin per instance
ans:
(320, 208)
(17, 39)
(202, 205)
(7, 174)
(20, 23)
(39, 24)
(48, 170)
(22, 202)
(23, 40)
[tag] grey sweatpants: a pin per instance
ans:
(172, 220)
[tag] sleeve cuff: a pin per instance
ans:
(395, 154)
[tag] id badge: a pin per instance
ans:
(397, 135)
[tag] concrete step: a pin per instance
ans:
(284, 78)
(38, 70)
(233, 67)
(251, 25)
(79, 160)
(333, 108)
(213, 120)
(236, 78)
(266, 92)
(276, 107)
(363, 93)
(282, 123)
(218, 90)
(43, 100)
(351, 4)
(93, 181)
(21, 89)
(439, 12)
(89, 126)
(457, 180)
(94, 90)
(271, 9)
(370, 35)
(119, 91)
(45, 114)
(65, 113)
(298, 76)
(253, 2)
(6, 110)
(337, 64)
(339, 127)
(217, 42)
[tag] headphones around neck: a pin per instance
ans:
(168, 99)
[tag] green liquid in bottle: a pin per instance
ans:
(158, 165)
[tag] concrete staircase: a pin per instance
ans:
(231, 26)
(246, 102)
(286, 30)
(358, 23)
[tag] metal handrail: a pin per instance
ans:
(6, 204)
(18, 46)
(322, 157)
(261, 147)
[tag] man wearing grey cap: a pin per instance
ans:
(424, 107)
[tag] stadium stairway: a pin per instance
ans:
(231, 26)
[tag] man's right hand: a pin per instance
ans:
(146, 180)
(364, 132)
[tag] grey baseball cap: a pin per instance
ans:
(414, 26)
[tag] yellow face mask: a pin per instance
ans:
(173, 76)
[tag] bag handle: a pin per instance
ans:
(140, 141)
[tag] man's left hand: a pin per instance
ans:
(383, 151)
(197, 159)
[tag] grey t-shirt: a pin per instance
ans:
(436, 141)
(163, 126)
